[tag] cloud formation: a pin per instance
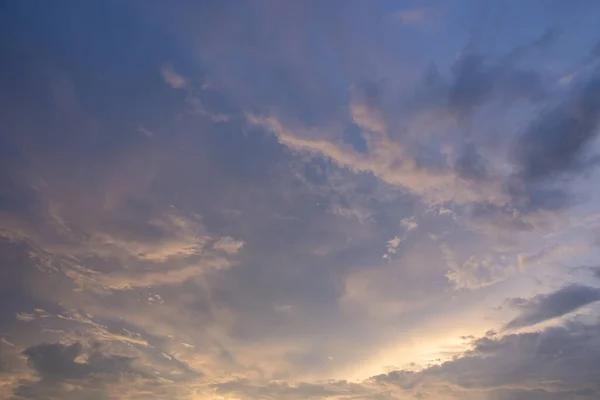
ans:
(545, 307)
(290, 200)
(555, 363)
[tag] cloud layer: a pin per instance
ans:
(291, 200)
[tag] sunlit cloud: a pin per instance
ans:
(172, 78)
(228, 245)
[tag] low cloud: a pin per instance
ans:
(557, 141)
(549, 306)
(555, 363)
(146, 277)
(59, 361)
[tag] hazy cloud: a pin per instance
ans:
(412, 16)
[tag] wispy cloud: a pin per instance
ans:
(413, 15)
(171, 77)
(228, 245)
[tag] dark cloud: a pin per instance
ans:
(475, 82)
(555, 146)
(556, 143)
(73, 371)
(595, 271)
(545, 307)
(529, 197)
(57, 361)
(470, 164)
(555, 363)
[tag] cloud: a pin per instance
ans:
(484, 214)
(555, 363)
(393, 244)
(193, 97)
(412, 16)
(409, 224)
(456, 167)
(144, 278)
(474, 82)
(228, 245)
(478, 272)
(549, 306)
(552, 254)
(8, 357)
(165, 237)
(59, 361)
(470, 164)
(389, 161)
(595, 271)
(556, 142)
(25, 317)
(539, 44)
(145, 131)
(75, 372)
(226, 213)
(173, 78)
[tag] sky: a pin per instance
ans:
(290, 200)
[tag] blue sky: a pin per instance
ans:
(299, 200)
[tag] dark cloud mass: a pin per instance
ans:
(554, 363)
(556, 143)
(264, 200)
(544, 307)
(74, 372)
(59, 361)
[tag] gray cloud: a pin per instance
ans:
(555, 363)
(77, 372)
(595, 271)
(62, 374)
(475, 81)
(557, 141)
(556, 145)
(470, 164)
(545, 307)
(58, 361)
